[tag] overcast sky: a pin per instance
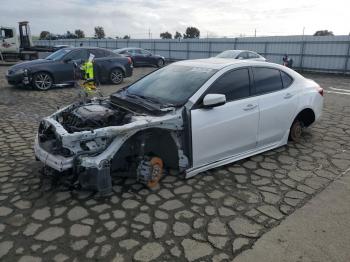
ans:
(213, 17)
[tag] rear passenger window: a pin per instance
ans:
(233, 84)
(286, 79)
(267, 80)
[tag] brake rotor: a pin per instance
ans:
(156, 169)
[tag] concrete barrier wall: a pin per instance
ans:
(309, 53)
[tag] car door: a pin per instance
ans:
(138, 57)
(278, 102)
(147, 57)
(230, 129)
(65, 69)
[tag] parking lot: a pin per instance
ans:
(213, 216)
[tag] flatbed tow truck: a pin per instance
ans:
(14, 48)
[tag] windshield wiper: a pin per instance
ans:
(151, 100)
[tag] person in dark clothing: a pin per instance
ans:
(288, 62)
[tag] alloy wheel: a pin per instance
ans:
(116, 76)
(43, 81)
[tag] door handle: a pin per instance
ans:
(249, 107)
(288, 95)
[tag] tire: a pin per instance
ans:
(42, 81)
(150, 171)
(160, 63)
(296, 130)
(116, 76)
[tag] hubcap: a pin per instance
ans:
(116, 76)
(160, 63)
(43, 81)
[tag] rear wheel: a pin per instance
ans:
(160, 63)
(116, 76)
(42, 81)
(296, 130)
(150, 171)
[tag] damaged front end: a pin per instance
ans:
(98, 138)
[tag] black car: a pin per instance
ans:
(141, 56)
(58, 68)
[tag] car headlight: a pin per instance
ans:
(23, 71)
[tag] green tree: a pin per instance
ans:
(323, 33)
(44, 35)
(126, 37)
(99, 32)
(177, 35)
(192, 32)
(79, 33)
(166, 35)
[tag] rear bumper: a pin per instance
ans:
(56, 162)
(128, 71)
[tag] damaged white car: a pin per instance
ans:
(191, 116)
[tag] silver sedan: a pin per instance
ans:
(241, 55)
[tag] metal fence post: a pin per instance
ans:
(302, 54)
(347, 58)
(235, 44)
(188, 49)
(210, 51)
(154, 46)
(169, 49)
(116, 43)
(265, 48)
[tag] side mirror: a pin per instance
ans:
(213, 100)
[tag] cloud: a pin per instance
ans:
(219, 18)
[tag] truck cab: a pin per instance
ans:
(9, 42)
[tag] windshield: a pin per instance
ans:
(228, 54)
(173, 84)
(58, 54)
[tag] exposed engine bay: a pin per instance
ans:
(93, 116)
(97, 138)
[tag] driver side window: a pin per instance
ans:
(233, 84)
(77, 54)
(243, 55)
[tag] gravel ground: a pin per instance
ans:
(211, 217)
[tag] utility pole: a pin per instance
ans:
(303, 30)
(255, 32)
(149, 33)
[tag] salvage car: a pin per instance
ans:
(241, 55)
(58, 68)
(190, 116)
(141, 56)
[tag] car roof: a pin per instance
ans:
(220, 63)
(212, 63)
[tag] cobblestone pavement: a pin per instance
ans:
(211, 217)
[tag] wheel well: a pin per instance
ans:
(306, 116)
(158, 142)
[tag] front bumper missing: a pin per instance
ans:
(56, 162)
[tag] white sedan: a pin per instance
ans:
(191, 116)
(241, 55)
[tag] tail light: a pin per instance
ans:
(129, 60)
(320, 90)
